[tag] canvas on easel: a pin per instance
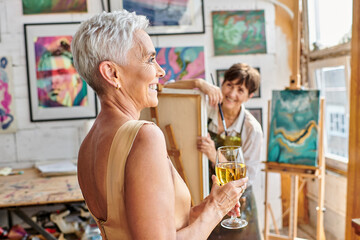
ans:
(294, 127)
(308, 116)
(185, 111)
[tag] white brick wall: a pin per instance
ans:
(34, 142)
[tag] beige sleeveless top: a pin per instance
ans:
(116, 226)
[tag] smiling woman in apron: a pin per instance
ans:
(240, 83)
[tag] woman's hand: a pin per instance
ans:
(213, 92)
(235, 211)
(227, 197)
(221, 201)
(207, 146)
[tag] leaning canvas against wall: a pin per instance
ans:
(294, 127)
(7, 97)
(239, 32)
(181, 62)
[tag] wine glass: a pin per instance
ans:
(230, 166)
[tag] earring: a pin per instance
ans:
(117, 86)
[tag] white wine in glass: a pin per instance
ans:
(230, 166)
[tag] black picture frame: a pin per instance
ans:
(81, 102)
(257, 113)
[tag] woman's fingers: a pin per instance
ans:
(214, 94)
(241, 183)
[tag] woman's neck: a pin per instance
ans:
(114, 105)
(231, 114)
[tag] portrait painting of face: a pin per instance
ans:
(58, 83)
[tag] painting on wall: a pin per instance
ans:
(181, 63)
(56, 90)
(294, 127)
(220, 79)
(239, 32)
(53, 6)
(7, 97)
(257, 113)
(167, 17)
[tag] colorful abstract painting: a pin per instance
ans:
(7, 99)
(181, 63)
(160, 12)
(53, 6)
(239, 32)
(58, 83)
(294, 127)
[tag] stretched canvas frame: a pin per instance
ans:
(167, 18)
(42, 77)
(185, 110)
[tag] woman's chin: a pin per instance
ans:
(154, 103)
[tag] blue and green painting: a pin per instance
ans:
(294, 127)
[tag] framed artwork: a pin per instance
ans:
(186, 128)
(56, 90)
(239, 32)
(166, 17)
(181, 63)
(53, 6)
(294, 127)
(7, 103)
(220, 79)
(220, 76)
(257, 113)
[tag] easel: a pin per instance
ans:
(297, 171)
(173, 151)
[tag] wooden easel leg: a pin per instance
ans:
(266, 225)
(273, 219)
(320, 234)
(293, 206)
(175, 153)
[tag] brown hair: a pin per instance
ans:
(243, 74)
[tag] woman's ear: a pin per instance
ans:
(110, 73)
(251, 95)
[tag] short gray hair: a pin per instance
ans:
(105, 36)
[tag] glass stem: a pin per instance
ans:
(233, 218)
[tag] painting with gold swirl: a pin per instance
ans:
(294, 127)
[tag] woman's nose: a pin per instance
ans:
(161, 71)
(232, 92)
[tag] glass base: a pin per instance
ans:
(234, 223)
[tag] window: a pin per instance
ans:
(332, 77)
(329, 22)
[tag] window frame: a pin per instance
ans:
(330, 58)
